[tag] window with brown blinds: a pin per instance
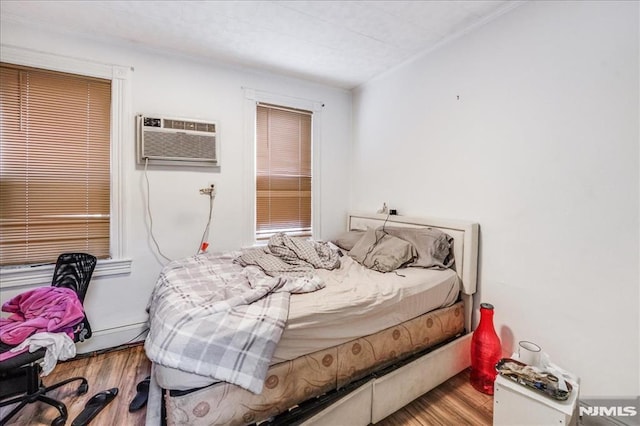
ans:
(283, 171)
(54, 165)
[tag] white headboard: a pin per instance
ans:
(465, 245)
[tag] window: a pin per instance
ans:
(121, 136)
(283, 171)
(54, 165)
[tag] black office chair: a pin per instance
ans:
(21, 373)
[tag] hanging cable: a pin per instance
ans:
(153, 238)
(202, 247)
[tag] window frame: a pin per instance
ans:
(252, 98)
(302, 118)
(120, 76)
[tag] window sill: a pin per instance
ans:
(38, 275)
(266, 235)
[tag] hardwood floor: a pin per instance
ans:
(121, 368)
(454, 402)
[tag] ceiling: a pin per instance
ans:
(340, 43)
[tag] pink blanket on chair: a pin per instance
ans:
(44, 309)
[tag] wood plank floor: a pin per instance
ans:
(454, 402)
(121, 368)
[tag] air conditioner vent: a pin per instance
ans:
(170, 141)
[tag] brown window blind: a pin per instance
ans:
(54, 165)
(283, 171)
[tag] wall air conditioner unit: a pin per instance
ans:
(177, 142)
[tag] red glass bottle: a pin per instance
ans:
(486, 351)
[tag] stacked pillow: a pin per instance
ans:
(388, 248)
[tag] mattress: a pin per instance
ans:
(355, 302)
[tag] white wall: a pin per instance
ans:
(541, 149)
(184, 87)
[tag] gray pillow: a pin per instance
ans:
(348, 239)
(433, 245)
(382, 252)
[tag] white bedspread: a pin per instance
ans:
(357, 301)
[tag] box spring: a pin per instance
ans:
(291, 382)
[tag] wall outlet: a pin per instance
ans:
(209, 190)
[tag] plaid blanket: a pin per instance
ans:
(291, 256)
(210, 316)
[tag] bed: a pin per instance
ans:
(341, 337)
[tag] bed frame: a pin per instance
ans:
(371, 399)
(382, 395)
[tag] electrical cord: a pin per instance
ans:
(377, 241)
(212, 196)
(153, 238)
(134, 339)
(379, 238)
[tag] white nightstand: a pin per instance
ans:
(514, 404)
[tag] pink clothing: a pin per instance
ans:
(44, 309)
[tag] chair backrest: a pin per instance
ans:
(73, 271)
